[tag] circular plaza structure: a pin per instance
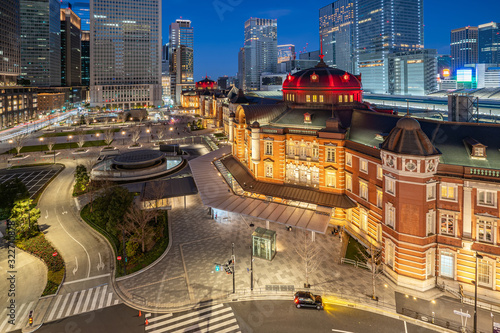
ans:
(136, 165)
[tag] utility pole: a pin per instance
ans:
(251, 268)
(234, 283)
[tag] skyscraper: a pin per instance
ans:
(463, 46)
(85, 56)
(41, 42)
(125, 59)
(489, 43)
(81, 9)
(286, 52)
(383, 27)
(261, 50)
(241, 68)
(336, 29)
(71, 71)
(181, 57)
(9, 42)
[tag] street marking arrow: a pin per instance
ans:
(100, 265)
(76, 268)
(47, 214)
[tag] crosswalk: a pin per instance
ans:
(213, 319)
(81, 301)
(22, 312)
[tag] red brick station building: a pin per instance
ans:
(425, 192)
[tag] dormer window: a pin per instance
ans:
(307, 118)
(314, 77)
(476, 149)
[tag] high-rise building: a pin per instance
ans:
(125, 53)
(261, 50)
(222, 82)
(463, 46)
(81, 9)
(241, 68)
(164, 60)
(444, 66)
(382, 27)
(181, 58)
(413, 72)
(312, 55)
(85, 56)
(71, 71)
(336, 29)
(286, 52)
(489, 43)
(10, 47)
(41, 42)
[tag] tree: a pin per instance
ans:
(10, 192)
(82, 179)
(87, 120)
(80, 137)
(109, 136)
(135, 134)
(162, 132)
(19, 142)
(24, 219)
(373, 258)
(110, 207)
(51, 141)
(138, 225)
(157, 190)
(309, 252)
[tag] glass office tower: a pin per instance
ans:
(10, 60)
(41, 42)
(261, 50)
(463, 47)
(71, 71)
(125, 53)
(181, 58)
(489, 43)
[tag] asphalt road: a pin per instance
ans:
(251, 316)
(86, 255)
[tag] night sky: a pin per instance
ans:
(218, 25)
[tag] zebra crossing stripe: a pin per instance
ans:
(94, 300)
(230, 329)
(4, 315)
(191, 314)
(183, 323)
(84, 309)
(80, 300)
(116, 302)
(103, 296)
(63, 306)
(70, 306)
(23, 316)
(55, 307)
(153, 319)
(108, 303)
(209, 320)
(19, 310)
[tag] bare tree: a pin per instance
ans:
(109, 136)
(135, 134)
(87, 120)
(51, 141)
(309, 252)
(162, 132)
(80, 137)
(373, 258)
(19, 142)
(138, 226)
(157, 190)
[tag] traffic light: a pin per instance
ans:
(228, 269)
(217, 267)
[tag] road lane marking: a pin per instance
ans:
(76, 268)
(340, 331)
(54, 308)
(87, 301)
(86, 279)
(208, 314)
(62, 226)
(153, 319)
(94, 301)
(6, 319)
(62, 306)
(47, 214)
(79, 303)
(406, 329)
(210, 322)
(110, 296)
(70, 306)
(103, 296)
(19, 311)
(100, 265)
(24, 315)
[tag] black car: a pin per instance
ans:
(307, 299)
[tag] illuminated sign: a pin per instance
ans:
(446, 72)
(464, 75)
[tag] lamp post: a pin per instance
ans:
(69, 141)
(123, 133)
(148, 131)
(41, 141)
(478, 256)
(11, 142)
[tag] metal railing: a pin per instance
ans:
(432, 319)
(355, 263)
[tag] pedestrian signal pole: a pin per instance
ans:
(233, 258)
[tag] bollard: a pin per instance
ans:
(140, 313)
(146, 323)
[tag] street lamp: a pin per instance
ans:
(123, 133)
(41, 141)
(478, 256)
(69, 140)
(148, 131)
(11, 142)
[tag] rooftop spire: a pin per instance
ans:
(321, 62)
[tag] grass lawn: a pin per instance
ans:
(57, 146)
(353, 248)
(51, 135)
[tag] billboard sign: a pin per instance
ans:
(464, 75)
(446, 72)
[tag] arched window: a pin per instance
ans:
(340, 98)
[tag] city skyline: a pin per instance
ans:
(297, 24)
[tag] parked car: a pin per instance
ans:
(308, 299)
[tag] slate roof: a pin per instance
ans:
(263, 113)
(447, 137)
(176, 187)
(288, 192)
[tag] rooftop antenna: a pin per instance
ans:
(408, 107)
(321, 56)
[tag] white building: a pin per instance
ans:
(125, 58)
